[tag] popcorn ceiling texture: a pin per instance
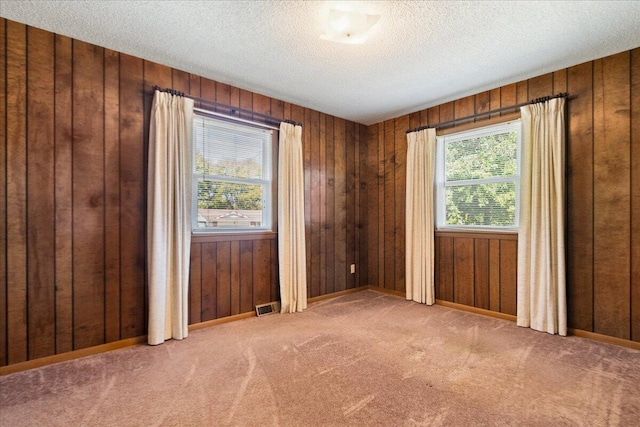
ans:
(420, 54)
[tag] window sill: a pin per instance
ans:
(233, 236)
(479, 234)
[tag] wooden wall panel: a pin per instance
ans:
(63, 195)
(340, 201)
(112, 194)
(73, 192)
(611, 196)
(136, 77)
(88, 195)
(580, 198)
(16, 196)
(3, 194)
(635, 195)
(602, 198)
(40, 194)
(400, 170)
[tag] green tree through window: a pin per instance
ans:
(478, 178)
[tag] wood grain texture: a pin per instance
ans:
(40, 194)
(223, 272)
(330, 225)
(195, 284)
(63, 195)
(373, 205)
(136, 77)
(350, 200)
(611, 196)
(580, 198)
(635, 195)
(340, 202)
(209, 280)
(16, 197)
(401, 125)
(389, 205)
(508, 273)
(463, 271)
(112, 194)
(481, 273)
(3, 194)
(88, 191)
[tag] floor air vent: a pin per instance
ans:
(269, 308)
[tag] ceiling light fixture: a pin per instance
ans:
(348, 27)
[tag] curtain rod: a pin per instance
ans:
(232, 110)
(487, 113)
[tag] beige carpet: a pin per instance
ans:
(364, 359)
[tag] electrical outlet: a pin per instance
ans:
(353, 269)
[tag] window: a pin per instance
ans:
(478, 178)
(232, 177)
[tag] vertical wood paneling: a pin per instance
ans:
(350, 201)
(389, 205)
(508, 262)
(540, 86)
(16, 158)
(88, 200)
(340, 205)
(261, 272)
(401, 126)
(635, 195)
(611, 196)
(373, 205)
(580, 198)
(494, 275)
(112, 194)
(223, 271)
(3, 195)
(362, 216)
(314, 205)
(331, 200)
(40, 194)
(235, 278)
(481, 273)
(463, 271)
(382, 203)
(195, 284)
(209, 263)
(246, 276)
(445, 266)
(136, 79)
(322, 178)
(63, 195)
(483, 102)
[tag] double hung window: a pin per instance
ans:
(478, 178)
(232, 177)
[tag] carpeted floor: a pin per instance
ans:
(363, 359)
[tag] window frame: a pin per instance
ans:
(441, 185)
(268, 183)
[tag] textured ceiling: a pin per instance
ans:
(420, 54)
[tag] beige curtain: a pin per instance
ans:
(291, 241)
(421, 152)
(169, 216)
(541, 252)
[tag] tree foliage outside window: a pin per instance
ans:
(228, 195)
(478, 178)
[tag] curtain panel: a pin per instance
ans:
(541, 279)
(421, 152)
(169, 216)
(291, 238)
